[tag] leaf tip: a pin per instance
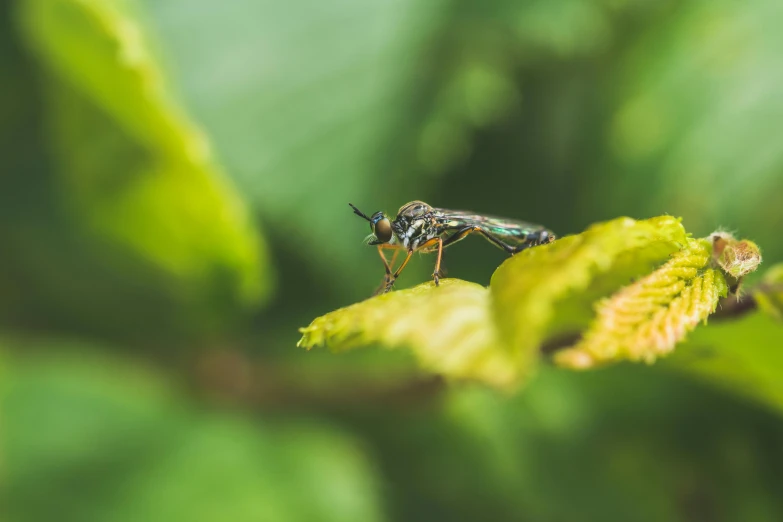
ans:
(736, 258)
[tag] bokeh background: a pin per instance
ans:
(174, 180)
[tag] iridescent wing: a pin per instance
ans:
(508, 234)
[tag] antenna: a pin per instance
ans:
(359, 212)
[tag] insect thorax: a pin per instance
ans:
(415, 224)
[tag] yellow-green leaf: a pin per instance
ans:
(449, 328)
(646, 319)
(548, 291)
(463, 330)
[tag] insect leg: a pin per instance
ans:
(436, 274)
(426, 246)
(394, 258)
(396, 274)
(388, 265)
(460, 234)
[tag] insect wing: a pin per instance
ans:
(511, 232)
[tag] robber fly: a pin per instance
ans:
(420, 227)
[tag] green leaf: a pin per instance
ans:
(102, 439)
(549, 291)
(135, 170)
(574, 291)
(646, 319)
(494, 335)
(588, 435)
(741, 355)
(450, 329)
(769, 294)
(741, 352)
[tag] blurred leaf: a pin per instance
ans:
(101, 439)
(646, 319)
(769, 294)
(660, 446)
(314, 107)
(695, 116)
(310, 104)
(133, 167)
(463, 330)
(743, 355)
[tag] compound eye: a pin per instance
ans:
(383, 230)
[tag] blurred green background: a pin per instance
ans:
(174, 180)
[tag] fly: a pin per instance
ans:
(420, 227)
